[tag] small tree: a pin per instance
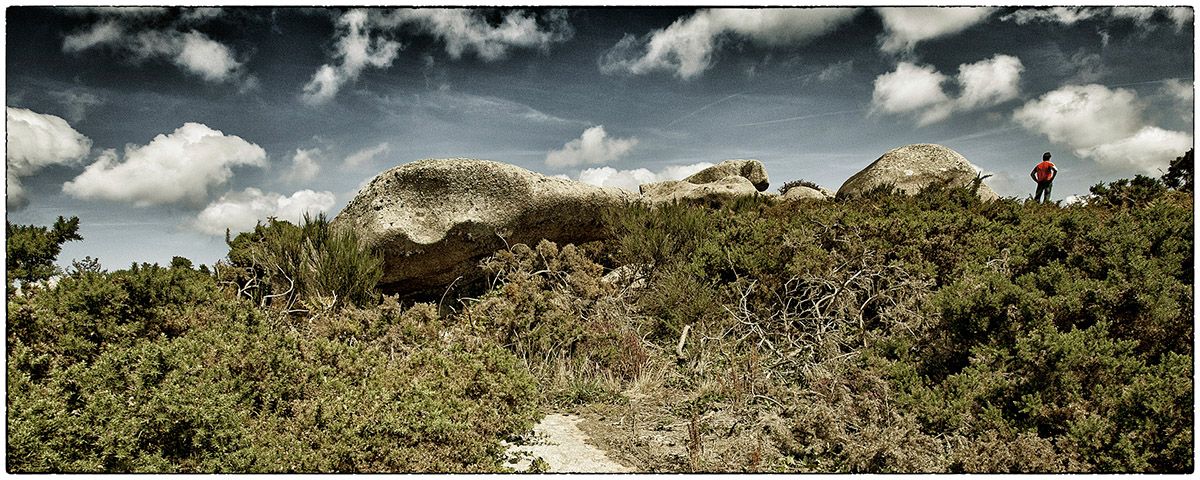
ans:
(32, 249)
(1181, 174)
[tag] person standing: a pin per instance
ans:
(1043, 174)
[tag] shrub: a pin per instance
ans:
(31, 250)
(797, 183)
(312, 266)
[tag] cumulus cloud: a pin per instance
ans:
(365, 155)
(594, 147)
(912, 88)
(631, 179)
(178, 167)
(1150, 150)
(362, 40)
(686, 47)
(1104, 125)
(35, 141)
(1082, 116)
(917, 89)
(241, 211)
(177, 42)
(905, 27)
(304, 165)
(989, 82)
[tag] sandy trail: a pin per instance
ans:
(560, 442)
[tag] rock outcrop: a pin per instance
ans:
(716, 192)
(433, 220)
(913, 167)
(752, 170)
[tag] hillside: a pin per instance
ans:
(936, 332)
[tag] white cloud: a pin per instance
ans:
(191, 50)
(1179, 89)
(592, 148)
(178, 167)
(466, 30)
(1082, 116)
(1064, 15)
(1143, 16)
(989, 82)
(905, 27)
(35, 141)
(917, 89)
(1103, 125)
(207, 58)
(686, 46)
(1148, 151)
(99, 34)
(1180, 16)
(366, 155)
(361, 40)
(631, 179)
(241, 211)
(912, 88)
(355, 51)
(304, 165)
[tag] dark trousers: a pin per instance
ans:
(1043, 188)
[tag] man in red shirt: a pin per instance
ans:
(1043, 174)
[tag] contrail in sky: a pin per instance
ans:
(981, 134)
(701, 109)
(802, 117)
(1149, 82)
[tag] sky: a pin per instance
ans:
(161, 127)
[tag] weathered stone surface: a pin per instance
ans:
(433, 220)
(913, 167)
(800, 192)
(720, 191)
(750, 169)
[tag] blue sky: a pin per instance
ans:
(159, 128)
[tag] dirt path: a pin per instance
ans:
(558, 440)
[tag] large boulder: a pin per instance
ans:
(752, 170)
(913, 167)
(434, 220)
(717, 192)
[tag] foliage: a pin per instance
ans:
(31, 250)
(155, 369)
(312, 266)
(797, 183)
(878, 333)
(1181, 174)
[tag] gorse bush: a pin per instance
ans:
(878, 333)
(155, 369)
(306, 267)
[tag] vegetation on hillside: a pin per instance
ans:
(882, 333)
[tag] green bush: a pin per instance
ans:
(309, 267)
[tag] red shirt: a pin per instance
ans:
(1043, 171)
